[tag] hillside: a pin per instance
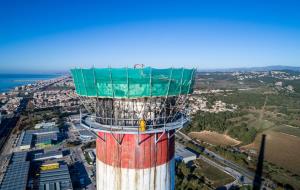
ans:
(240, 107)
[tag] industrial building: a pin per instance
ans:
(44, 131)
(135, 113)
(40, 138)
(46, 140)
(51, 171)
(49, 155)
(54, 176)
(45, 125)
(86, 135)
(25, 141)
(16, 175)
(184, 155)
(50, 176)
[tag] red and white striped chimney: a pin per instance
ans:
(135, 161)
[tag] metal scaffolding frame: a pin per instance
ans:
(168, 116)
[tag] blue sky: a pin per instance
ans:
(54, 35)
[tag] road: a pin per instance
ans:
(261, 114)
(9, 124)
(87, 174)
(7, 141)
(243, 176)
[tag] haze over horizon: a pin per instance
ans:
(56, 36)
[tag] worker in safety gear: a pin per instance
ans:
(143, 125)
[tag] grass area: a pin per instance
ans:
(187, 179)
(257, 112)
(87, 158)
(287, 129)
(261, 125)
(30, 118)
(237, 157)
(284, 179)
(198, 175)
(262, 108)
(243, 132)
(214, 175)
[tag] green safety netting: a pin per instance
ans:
(132, 83)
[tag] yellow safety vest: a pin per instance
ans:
(142, 125)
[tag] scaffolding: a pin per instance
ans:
(118, 99)
(133, 83)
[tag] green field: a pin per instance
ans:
(260, 108)
(263, 108)
(216, 177)
(287, 130)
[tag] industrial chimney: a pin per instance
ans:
(135, 114)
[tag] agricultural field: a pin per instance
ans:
(281, 149)
(282, 156)
(288, 129)
(214, 138)
(263, 108)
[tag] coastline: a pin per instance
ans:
(15, 81)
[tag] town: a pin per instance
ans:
(55, 149)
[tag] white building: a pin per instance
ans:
(183, 154)
(44, 125)
(48, 155)
(278, 84)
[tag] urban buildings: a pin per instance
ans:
(38, 138)
(16, 175)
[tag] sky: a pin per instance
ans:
(57, 35)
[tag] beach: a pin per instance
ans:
(10, 81)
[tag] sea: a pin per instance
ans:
(10, 81)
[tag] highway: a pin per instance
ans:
(243, 176)
(6, 139)
(239, 179)
(8, 124)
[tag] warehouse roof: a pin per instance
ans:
(46, 138)
(44, 131)
(25, 139)
(55, 179)
(17, 173)
(183, 154)
(48, 155)
(19, 157)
